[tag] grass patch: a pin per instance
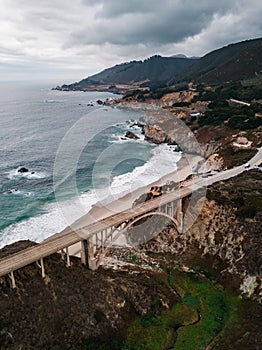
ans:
(159, 332)
(202, 313)
(214, 308)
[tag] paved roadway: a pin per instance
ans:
(58, 242)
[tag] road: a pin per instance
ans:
(69, 237)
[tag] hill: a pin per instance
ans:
(230, 63)
(156, 69)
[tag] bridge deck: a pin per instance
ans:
(61, 241)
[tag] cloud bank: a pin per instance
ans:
(65, 40)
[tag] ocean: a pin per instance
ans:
(66, 138)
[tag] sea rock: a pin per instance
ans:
(160, 127)
(99, 102)
(154, 134)
(131, 135)
(23, 170)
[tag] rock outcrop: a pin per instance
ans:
(160, 126)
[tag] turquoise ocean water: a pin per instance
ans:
(34, 121)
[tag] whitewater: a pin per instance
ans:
(33, 123)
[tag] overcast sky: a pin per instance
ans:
(66, 40)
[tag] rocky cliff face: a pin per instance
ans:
(229, 229)
(219, 233)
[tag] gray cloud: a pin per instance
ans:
(115, 8)
(149, 22)
(81, 37)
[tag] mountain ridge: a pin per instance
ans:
(229, 63)
(234, 62)
(155, 69)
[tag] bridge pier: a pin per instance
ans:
(40, 264)
(12, 279)
(92, 265)
(84, 252)
(180, 215)
(68, 262)
(42, 267)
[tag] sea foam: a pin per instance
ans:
(162, 162)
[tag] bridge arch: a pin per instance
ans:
(103, 253)
(175, 222)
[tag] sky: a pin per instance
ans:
(67, 40)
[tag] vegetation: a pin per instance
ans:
(3, 335)
(203, 311)
(156, 70)
(157, 91)
(230, 63)
(235, 116)
(246, 195)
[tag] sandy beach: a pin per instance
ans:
(104, 209)
(107, 208)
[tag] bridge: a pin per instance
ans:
(98, 237)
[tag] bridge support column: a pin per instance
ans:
(42, 267)
(40, 264)
(62, 254)
(12, 279)
(91, 256)
(180, 215)
(68, 262)
(84, 252)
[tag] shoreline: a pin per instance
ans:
(183, 170)
(103, 209)
(110, 206)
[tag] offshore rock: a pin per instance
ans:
(131, 135)
(23, 170)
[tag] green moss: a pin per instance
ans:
(159, 332)
(214, 311)
(202, 313)
(190, 300)
(102, 343)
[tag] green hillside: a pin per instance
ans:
(155, 69)
(230, 63)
